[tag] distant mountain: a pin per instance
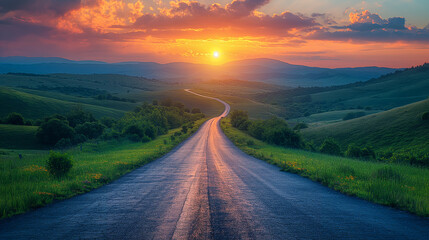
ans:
(36, 60)
(260, 70)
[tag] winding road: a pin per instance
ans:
(206, 188)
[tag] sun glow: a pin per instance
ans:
(215, 54)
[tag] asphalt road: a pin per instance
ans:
(208, 189)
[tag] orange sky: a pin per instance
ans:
(128, 30)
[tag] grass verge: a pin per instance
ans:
(399, 186)
(26, 184)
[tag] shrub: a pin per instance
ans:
(425, 116)
(78, 138)
(53, 130)
(15, 119)
(353, 115)
(250, 142)
(353, 151)
(330, 146)
(78, 116)
(58, 164)
(195, 110)
(145, 139)
(108, 121)
(90, 129)
(184, 129)
(63, 143)
(134, 137)
(240, 119)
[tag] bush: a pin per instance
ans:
(107, 121)
(90, 129)
(275, 131)
(58, 164)
(330, 146)
(145, 139)
(184, 129)
(353, 115)
(53, 130)
(78, 138)
(425, 116)
(357, 152)
(63, 143)
(195, 110)
(78, 116)
(134, 137)
(15, 119)
(240, 119)
(300, 126)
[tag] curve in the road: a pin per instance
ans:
(206, 188)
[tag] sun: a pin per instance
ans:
(215, 54)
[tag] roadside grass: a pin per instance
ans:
(26, 184)
(399, 186)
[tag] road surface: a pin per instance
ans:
(206, 188)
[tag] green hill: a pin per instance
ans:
(384, 93)
(35, 107)
(398, 129)
(18, 137)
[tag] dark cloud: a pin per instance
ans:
(37, 7)
(366, 26)
(241, 8)
(324, 18)
(239, 14)
(379, 35)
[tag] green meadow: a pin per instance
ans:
(26, 184)
(400, 186)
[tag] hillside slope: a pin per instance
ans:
(384, 93)
(399, 129)
(35, 107)
(19, 137)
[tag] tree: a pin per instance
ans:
(330, 146)
(15, 119)
(90, 129)
(78, 116)
(240, 119)
(53, 130)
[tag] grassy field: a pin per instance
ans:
(255, 109)
(400, 186)
(18, 137)
(328, 117)
(35, 107)
(26, 184)
(399, 129)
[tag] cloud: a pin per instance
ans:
(240, 15)
(42, 7)
(367, 26)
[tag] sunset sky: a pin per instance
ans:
(325, 33)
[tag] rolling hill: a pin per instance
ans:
(383, 93)
(35, 107)
(399, 129)
(19, 137)
(260, 70)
